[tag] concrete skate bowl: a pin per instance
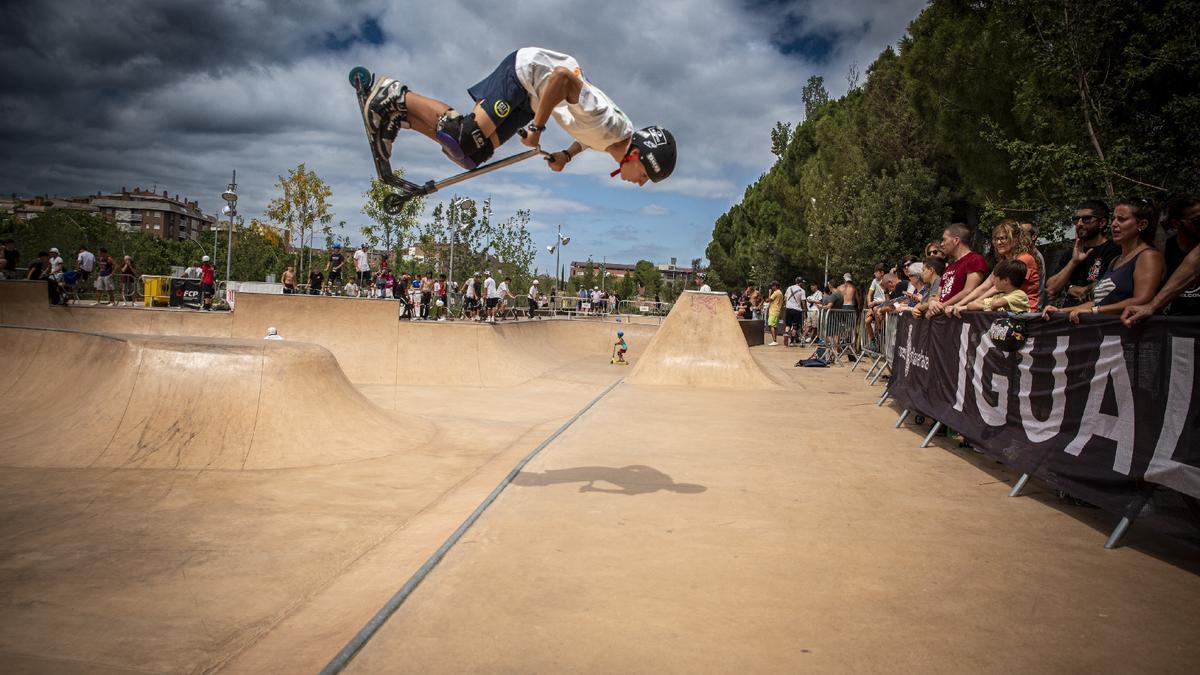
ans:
(87, 400)
(700, 345)
(365, 336)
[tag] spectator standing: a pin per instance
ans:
(10, 260)
(350, 289)
(876, 295)
(129, 280)
(85, 262)
(426, 294)
(208, 280)
(964, 274)
(39, 268)
(1133, 277)
(794, 306)
(471, 297)
(441, 294)
(1009, 242)
(505, 293)
(316, 281)
(402, 290)
(104, 278)
(55, 277)
(192, 271)
(532, 296)
(333, 268)
(1082, 266)
(774, 310)
(288, 278)
(492, 296)
(849, 293)
(934, 250)
(702, 282)
(362, 265)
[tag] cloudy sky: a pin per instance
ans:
(178, 93)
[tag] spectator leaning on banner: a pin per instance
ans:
(1008, 243)
(964, 274)
(1182, 260)
(1133, 277)
(1081, 267)
(1006, 293)
(1031, 232)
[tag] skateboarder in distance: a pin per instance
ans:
(528, 87)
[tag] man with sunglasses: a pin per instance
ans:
(1079, 268)
(530, 86)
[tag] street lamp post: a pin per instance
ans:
(556, 249)
(230, 196)
(455, 228)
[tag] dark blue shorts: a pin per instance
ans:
(504, 99)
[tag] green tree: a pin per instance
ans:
(387, 231)
(303, 206)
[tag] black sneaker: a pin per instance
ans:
(385, 114)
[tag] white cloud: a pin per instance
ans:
(654, 210)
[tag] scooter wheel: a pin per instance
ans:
(360, 78)
(393, 204)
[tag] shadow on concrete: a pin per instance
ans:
(629, 480)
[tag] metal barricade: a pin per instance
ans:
(643, 307)
(838, 333)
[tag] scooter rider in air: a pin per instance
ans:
(528, 87)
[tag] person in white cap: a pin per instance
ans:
(532, 296)
(273, 334)
(701, 281)
(54, 278)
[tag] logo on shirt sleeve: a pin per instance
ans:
(501, 108)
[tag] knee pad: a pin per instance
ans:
(462, 139)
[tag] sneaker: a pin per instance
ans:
(772, 344)
(442, 319)
(385, 114)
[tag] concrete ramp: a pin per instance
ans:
(133, 401)
(700, 345)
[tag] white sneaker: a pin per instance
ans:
(772, 344)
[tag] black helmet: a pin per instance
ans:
(656, 149)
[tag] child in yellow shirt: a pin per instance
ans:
(1008, 276)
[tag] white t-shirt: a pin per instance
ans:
(362, 261)
(794, 297)
(191, 273)
(350, 289)
(595, 121)
(56, 264)
(503, 290)
(815, 299)
(532, 294)
(470, 292)
(86, 261)
(876, 292)
(706, 289)
(273, 337)
(489, 286)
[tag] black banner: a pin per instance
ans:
(1096, 409)
(185, 293)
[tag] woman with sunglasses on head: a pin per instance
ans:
(1132, 277)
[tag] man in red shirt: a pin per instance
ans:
(207, 280)
(961, 276)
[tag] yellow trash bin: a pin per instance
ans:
(157, 291)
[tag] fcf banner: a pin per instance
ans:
(1097, 409)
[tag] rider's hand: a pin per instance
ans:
(1134, 314)
(532, 138)
(558, 160)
